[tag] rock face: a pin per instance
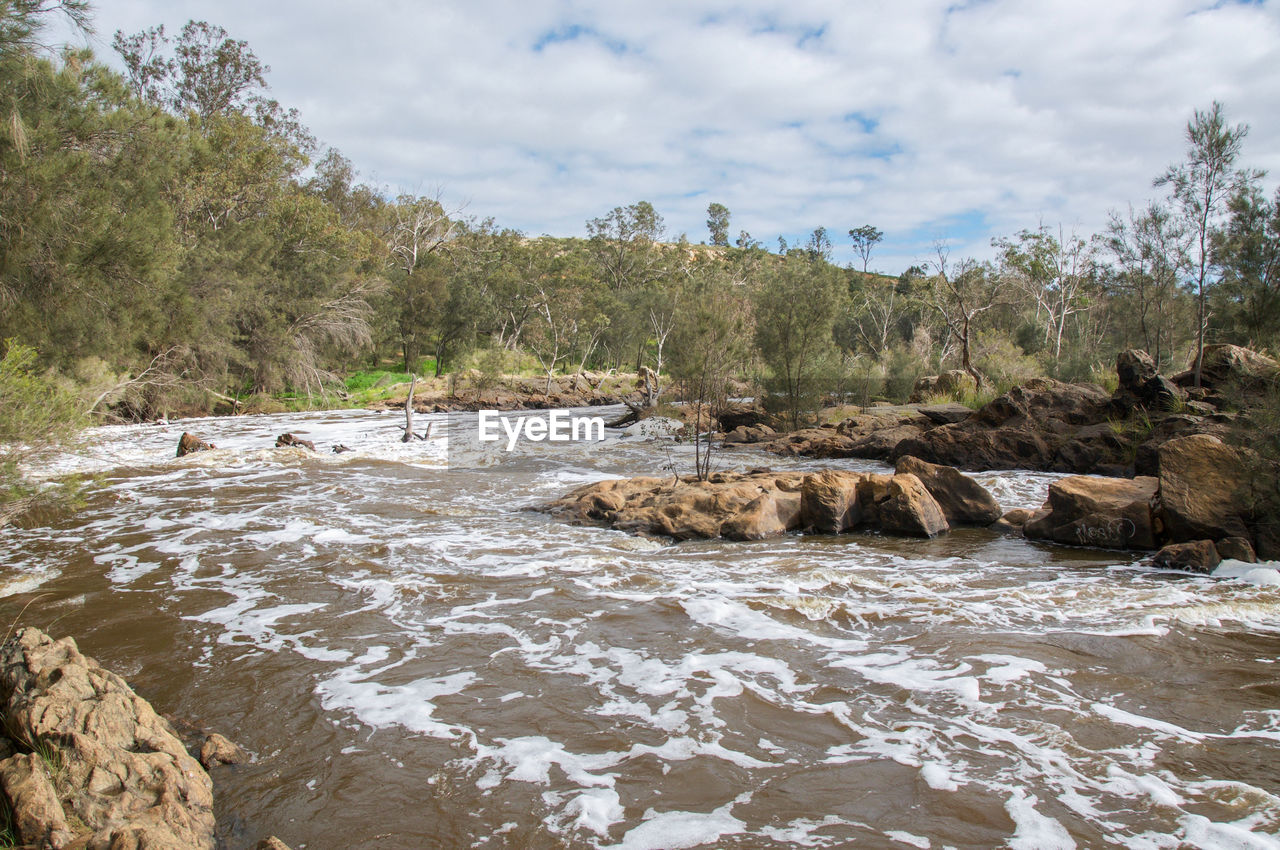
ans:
(1024, 428)
(1202, 489)
(1225, 367)
(963, 500)
(756, 505)
(910, 509)
(120, 777)
(1083, 510)
(1054, 426)
(189, 443)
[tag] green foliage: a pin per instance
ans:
(795, 308)
(38, 418)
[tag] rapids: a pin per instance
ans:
(416, 660)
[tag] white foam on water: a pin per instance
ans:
(1264, 574)
(678, 830)
(1034, 831)
(596, 810)
(410, 705)
(908, 838)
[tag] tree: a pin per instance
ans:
(625, 246)
(865, 239)
(1057, 273)
(819, 245)
(718, 224)
(709, 341)
(147, 69)
(1247, 251)
(1199, 189)
(1149, 248)
(795, 308)
(214, 74)
(960, 294)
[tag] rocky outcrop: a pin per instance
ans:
(189, 443)
(1024, 428)
(1055, 426)
(99, 769)
(1116, 513)
(1231, 368)
(760, 504)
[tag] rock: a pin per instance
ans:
(945, 414)
(189, 443)
(1236, 549)
(737, 414)
(910, 509)
(1203, 489)
(271, 843)
(882, 444)
(1134, 368)
(218, 750)
(37, 816)
(340, 449)
(124, 775)
(290, 441)
(953, 383)
(1012, 522)
(756, 505)
(829, 501)
(963, 500)
(1087, 510)
(1199, 556)
(768, 515)
(1226, 367)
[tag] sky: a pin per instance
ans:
(930, 120)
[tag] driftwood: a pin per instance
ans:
(409, 435)
(634, 414)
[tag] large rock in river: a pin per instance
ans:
(963, 500)
(1203, 489)
(755, 505)
(1085, 510)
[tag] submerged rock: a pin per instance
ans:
(122, 779)
(290, 441)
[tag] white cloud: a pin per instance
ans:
(927, 119)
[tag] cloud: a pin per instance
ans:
(928, 120)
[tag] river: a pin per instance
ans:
(416, 660)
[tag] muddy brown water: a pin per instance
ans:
(417, 661)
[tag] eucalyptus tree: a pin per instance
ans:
(1247, 250)
(718, 224)
(865, 239)
(960, 294)
(1200, 187)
